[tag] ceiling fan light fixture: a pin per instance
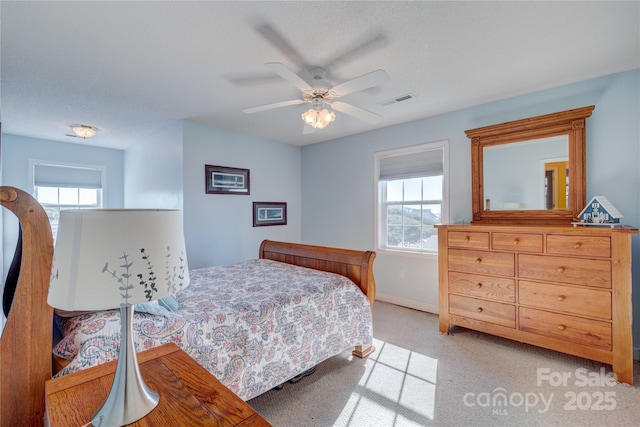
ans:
(318, 119)
(84, 131)
(322, 93)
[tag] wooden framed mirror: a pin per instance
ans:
(530, 171)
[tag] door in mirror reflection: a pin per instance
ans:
(556, 185)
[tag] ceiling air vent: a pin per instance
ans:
(396, 100)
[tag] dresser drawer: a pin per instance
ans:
(593, 333)
(486, 311)
(591, 246)
(573, 300)
(517, 242)
(468, 239)
(577, 271)
(482, 262)
(496, 288)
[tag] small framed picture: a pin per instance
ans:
(226, 180)
(269, 213)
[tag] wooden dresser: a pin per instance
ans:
(563, 288)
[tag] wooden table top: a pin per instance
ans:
(189, 394)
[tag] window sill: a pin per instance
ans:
(408, 254)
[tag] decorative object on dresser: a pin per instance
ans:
(600, 211)
(107, 259)
(563, 288)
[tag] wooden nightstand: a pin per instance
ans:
(189, 394)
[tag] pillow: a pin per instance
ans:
(161, 307)
(169, 302)
(152, 307)
(65, 313)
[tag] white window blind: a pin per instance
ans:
(413, 165)
(66, 176)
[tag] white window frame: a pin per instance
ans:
(103, 178)
(380, 212)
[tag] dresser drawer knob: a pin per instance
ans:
(560, 269)
(467, 238)
(478, 260)
(577, 245)
(561, 298)
(479, 285)
(562, 327)
(479, 309)
(516, 241)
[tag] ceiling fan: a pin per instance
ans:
(321, 94)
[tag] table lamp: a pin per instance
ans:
(116, 258)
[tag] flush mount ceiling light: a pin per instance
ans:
(318, 117)
(84, 131)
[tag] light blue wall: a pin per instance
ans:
(329, 187)
(338, 179)
(167, 171)
(219, 227)
(18, 150)
(153, 171)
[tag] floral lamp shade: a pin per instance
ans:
(108, 258)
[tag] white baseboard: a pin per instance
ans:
(404, 302)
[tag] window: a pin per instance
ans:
(59, 186)
(411, 197)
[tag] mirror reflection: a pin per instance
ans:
(527, 175)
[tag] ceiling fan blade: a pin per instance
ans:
(253, 79)
(289, 75)
(308, 129)
(358, 50)
(274, 105)
(279, 42)
(365, 81)
(357, 112)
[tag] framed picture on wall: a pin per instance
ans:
(269, 213)
(226, 180)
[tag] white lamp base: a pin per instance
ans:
(130, 398)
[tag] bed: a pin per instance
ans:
(257, 369)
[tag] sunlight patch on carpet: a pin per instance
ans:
(398, 388)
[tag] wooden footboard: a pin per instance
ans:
(355, 265)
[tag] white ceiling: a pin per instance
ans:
(132, 68)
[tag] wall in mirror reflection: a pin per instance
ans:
(527, 174)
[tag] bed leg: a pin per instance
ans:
(362, 351)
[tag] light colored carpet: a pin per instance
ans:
(418, 377)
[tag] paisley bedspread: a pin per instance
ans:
(253, 325)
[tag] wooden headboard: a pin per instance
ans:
(355, 265)
(25, 346)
